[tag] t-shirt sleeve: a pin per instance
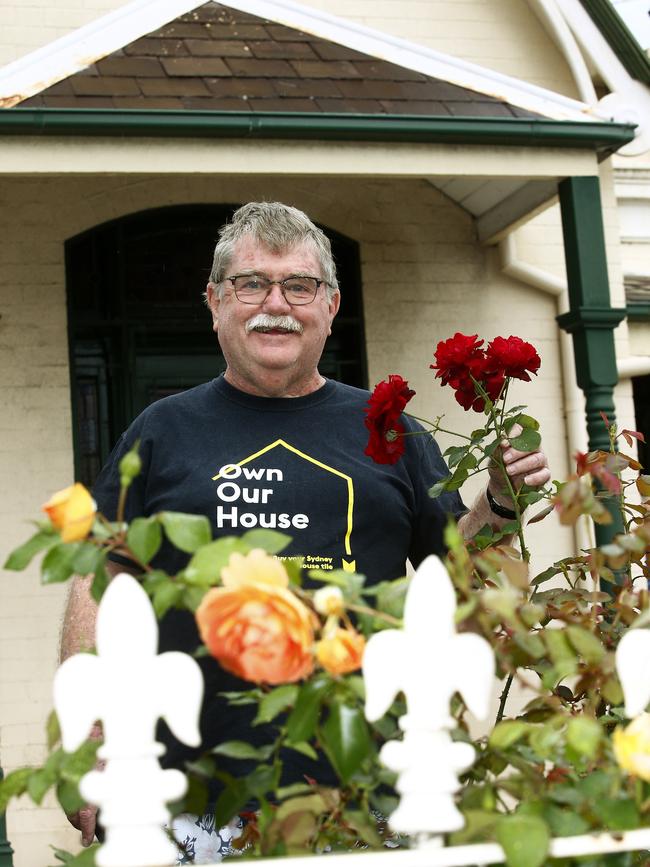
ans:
(432, 514)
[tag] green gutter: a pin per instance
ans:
(517, 132)
(616, 32)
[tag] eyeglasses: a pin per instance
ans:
(254, 289)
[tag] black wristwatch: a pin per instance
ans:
(498, 509)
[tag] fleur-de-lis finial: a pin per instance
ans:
(128, 686)
(427, 661)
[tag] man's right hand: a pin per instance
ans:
(85, 820)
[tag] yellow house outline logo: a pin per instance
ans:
(348, 566)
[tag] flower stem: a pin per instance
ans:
(503, 698)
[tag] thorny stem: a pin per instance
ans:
(503, 698)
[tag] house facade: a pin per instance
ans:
(476, 165)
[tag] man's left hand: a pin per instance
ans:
(529, 468)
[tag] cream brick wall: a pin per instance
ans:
(503, 35)
(424, 278)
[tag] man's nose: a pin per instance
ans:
(275, 300)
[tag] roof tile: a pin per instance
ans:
(218, 47)
(195, 67)
(326, 69)
(218, 58)
(104, 86)
(283, 50)
(173, 86)
(252, 67)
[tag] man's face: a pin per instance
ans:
(260, 358)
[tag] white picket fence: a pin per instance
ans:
(129, 687)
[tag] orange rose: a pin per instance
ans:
(72, 512)
(341, 651)
(254, 625)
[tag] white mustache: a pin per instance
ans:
(267, 322)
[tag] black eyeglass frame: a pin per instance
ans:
(283, 288)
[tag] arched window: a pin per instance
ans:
(139, 330)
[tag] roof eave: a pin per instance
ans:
(603, 137)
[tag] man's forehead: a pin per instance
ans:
(249, 252)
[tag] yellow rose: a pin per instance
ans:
(340, 650)
(72, 512)
(632, 747)
(254, 625)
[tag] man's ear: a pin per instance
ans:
(334, 305)
(213, 297)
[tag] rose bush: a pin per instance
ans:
(563, 764)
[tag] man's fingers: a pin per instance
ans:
(526, 464)
(85, 821)
(538, 479)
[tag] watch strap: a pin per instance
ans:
(498, 509)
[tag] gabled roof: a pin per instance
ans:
(218, 58)
(43, 68)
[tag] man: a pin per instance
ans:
(271, 443)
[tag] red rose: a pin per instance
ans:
(513, 356)
(386, 404)
(454, 357)
(459, 361)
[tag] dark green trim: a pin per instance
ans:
(517, 132)
(591, 319)
(6, 852)
(617, 34)
(638, 312)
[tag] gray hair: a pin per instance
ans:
(277, 227)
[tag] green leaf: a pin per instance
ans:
(527, 421)
(144, 538)
(531, 643)
(527, 441)
(165, 597)
(439, 488)
(468, 462)
(304, 748)
(204, 569)
(269, 540)
(584, 734)
(75, 765)
(62, 855)
(263, 779)
(100, 579)
(13, 785)
(231, 800)
(53, 730)
(187, 532)
(565, 823)
(304, 716)
(57, 564)
(68, 796)
(243, 750)
(38, 784)
(617, 815)
(454, 454)
(586, 643)
(507, 733)
(525, 840)
(274, 702)
(86, 558)
(86, 858)
(346, 739)
(22, 556)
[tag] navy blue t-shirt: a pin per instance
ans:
(292, 464)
